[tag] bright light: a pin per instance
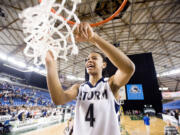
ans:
(70, 77)
(20, 64)
(4, 79)
(80, 79)
(11, 60)
(163, 88)
(31, 68)
(15, 62)
(3, 56)
(43, 71)
(36, 70)
(172, 72)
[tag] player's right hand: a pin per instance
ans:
(84, 32)
(49, 57)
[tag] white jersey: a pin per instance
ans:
(95, 112)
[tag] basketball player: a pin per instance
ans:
(69, 127)
(95, 112)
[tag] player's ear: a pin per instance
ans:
(104, 65)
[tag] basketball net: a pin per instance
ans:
(42, 33)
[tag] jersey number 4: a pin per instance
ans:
(90, 115)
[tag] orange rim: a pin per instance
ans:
(103, 21)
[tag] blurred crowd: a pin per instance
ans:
(24, 112)
(16, 95)
(174, 113)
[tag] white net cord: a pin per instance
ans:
(46, 30)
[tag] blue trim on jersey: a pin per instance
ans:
(91, 86)
(117, 106)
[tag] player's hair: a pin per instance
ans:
(102, 55)
(104, 72)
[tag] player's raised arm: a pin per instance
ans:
(58, 95)
(125, 66)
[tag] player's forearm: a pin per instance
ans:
(117, 57)
(54, 86)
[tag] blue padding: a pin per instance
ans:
(172, 105)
